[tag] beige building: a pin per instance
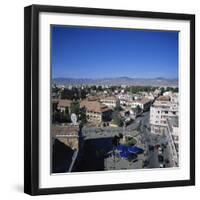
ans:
(96, 111)
(63, 104)
(160, 111)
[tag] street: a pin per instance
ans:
(140, 130)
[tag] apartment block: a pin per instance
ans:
(163, 108)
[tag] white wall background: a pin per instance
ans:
(11, 100)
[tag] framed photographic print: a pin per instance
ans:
(109, 100)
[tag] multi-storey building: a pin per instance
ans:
(124, 98)
(173, 139)
(163, 108)
(110, 101)
(144, 104)
(96, 111)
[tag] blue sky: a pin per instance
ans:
(85, 52)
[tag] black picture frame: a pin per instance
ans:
(31, 98)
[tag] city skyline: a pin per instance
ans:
(95, 53)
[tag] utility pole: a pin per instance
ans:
(124, 131)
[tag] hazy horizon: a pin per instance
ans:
(115, 77)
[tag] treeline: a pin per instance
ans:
(168, 89)
(74, 94)
(136, 89)
(81, 93)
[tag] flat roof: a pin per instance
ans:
(64, 130)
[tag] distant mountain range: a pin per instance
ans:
(159, 81)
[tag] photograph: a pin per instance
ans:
(114, 99)
(109, 99)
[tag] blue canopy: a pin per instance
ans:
(126, 152)
(122, 148)
(135, 149)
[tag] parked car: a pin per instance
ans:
(151, 147)
(161, 165)
(160, 158)
(160, 150)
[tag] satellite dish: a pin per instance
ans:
(74, 118)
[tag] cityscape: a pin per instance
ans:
(114, 117)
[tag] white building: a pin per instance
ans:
(134, 113)
(163, 108)
(168, 93)
(110, 101)
(172, 133)
(156, 92)
(144, 104)
(150, 96)
(124, 98)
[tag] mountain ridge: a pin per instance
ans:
(122, 80)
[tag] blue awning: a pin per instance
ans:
(135, 149)
(125, 151)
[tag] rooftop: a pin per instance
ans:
(113, 98)
(68, 130)
(64, 103)
(163, 98)
(94, 106)
(93, 98)
(144, 101)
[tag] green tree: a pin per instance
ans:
(67, 94)
(117, 119)
(138, 109)
(93, 87)
(66, 116)
(99, 88)
(75, 107)
(162, 90)
(82, 117)
(118, 107)
(175, 89)
(131, 141)
(83, 94)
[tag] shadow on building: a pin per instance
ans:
(62, 157)
(94, 153)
